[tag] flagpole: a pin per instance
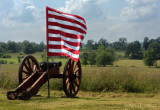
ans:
(48, 77)
(47, 50)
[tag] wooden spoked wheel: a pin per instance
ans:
(28, 65)
(72, 77)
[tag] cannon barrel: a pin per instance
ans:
(43, 65)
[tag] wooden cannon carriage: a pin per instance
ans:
(32, 76)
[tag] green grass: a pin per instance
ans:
(83, 101)
(37, 55)
(123, 75)
(126, 85)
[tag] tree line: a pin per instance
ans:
(99, 52)
(148, 50)
(26, 47)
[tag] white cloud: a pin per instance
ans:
(140, 10)
(90, 9)
(22, 21)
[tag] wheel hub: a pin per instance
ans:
(72, 76)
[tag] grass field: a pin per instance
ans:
(125, 85)
(124, 75)
(83, 101)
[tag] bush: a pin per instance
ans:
(104, 58)
(1, 55)
(3, 61)
(6, 56)
(149, 58)
(11, 62)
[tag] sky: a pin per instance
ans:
(110, 19)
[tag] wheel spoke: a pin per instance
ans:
(68, 69)
(27, 67)
(73, 87)
(71, 63)
(76, 83)
(67, 80)
(34, 68)
(32, 65)
(78, 77)
(74, 66)
(70, 87)
(76, 70)
(25, 78)
(29, 64)
(23, 71)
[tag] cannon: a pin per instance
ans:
(33, 75)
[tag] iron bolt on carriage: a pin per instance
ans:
(32, 76)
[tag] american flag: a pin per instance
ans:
(65, 33)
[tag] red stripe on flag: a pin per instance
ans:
(59, 39)
(63, 54)
(63, 47)
(68, 35)
(66, 19)
(67, 26)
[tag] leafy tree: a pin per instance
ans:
(92, 58)
(110, 50)
(84, 58)
(123, 43)
(133, 50)
(12, 46)
(1, 50)
(3, 45)
(149, 58)
(100, 49)
(116, 45)
(20, 47)
(24, 44)
(158, 40)
(146, 43)
(90, 44)
(35, 46)
(96, 45)
(151, 41)
(101, 58)
(104, 56)
(28, 49)
(120, 45)
(103, 41)
(42, 46)
(156, 48)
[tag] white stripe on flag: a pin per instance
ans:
(67, 16)
(63, 51)
(65, 30)
(64, 38)
(66, 23)
(63, 43)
